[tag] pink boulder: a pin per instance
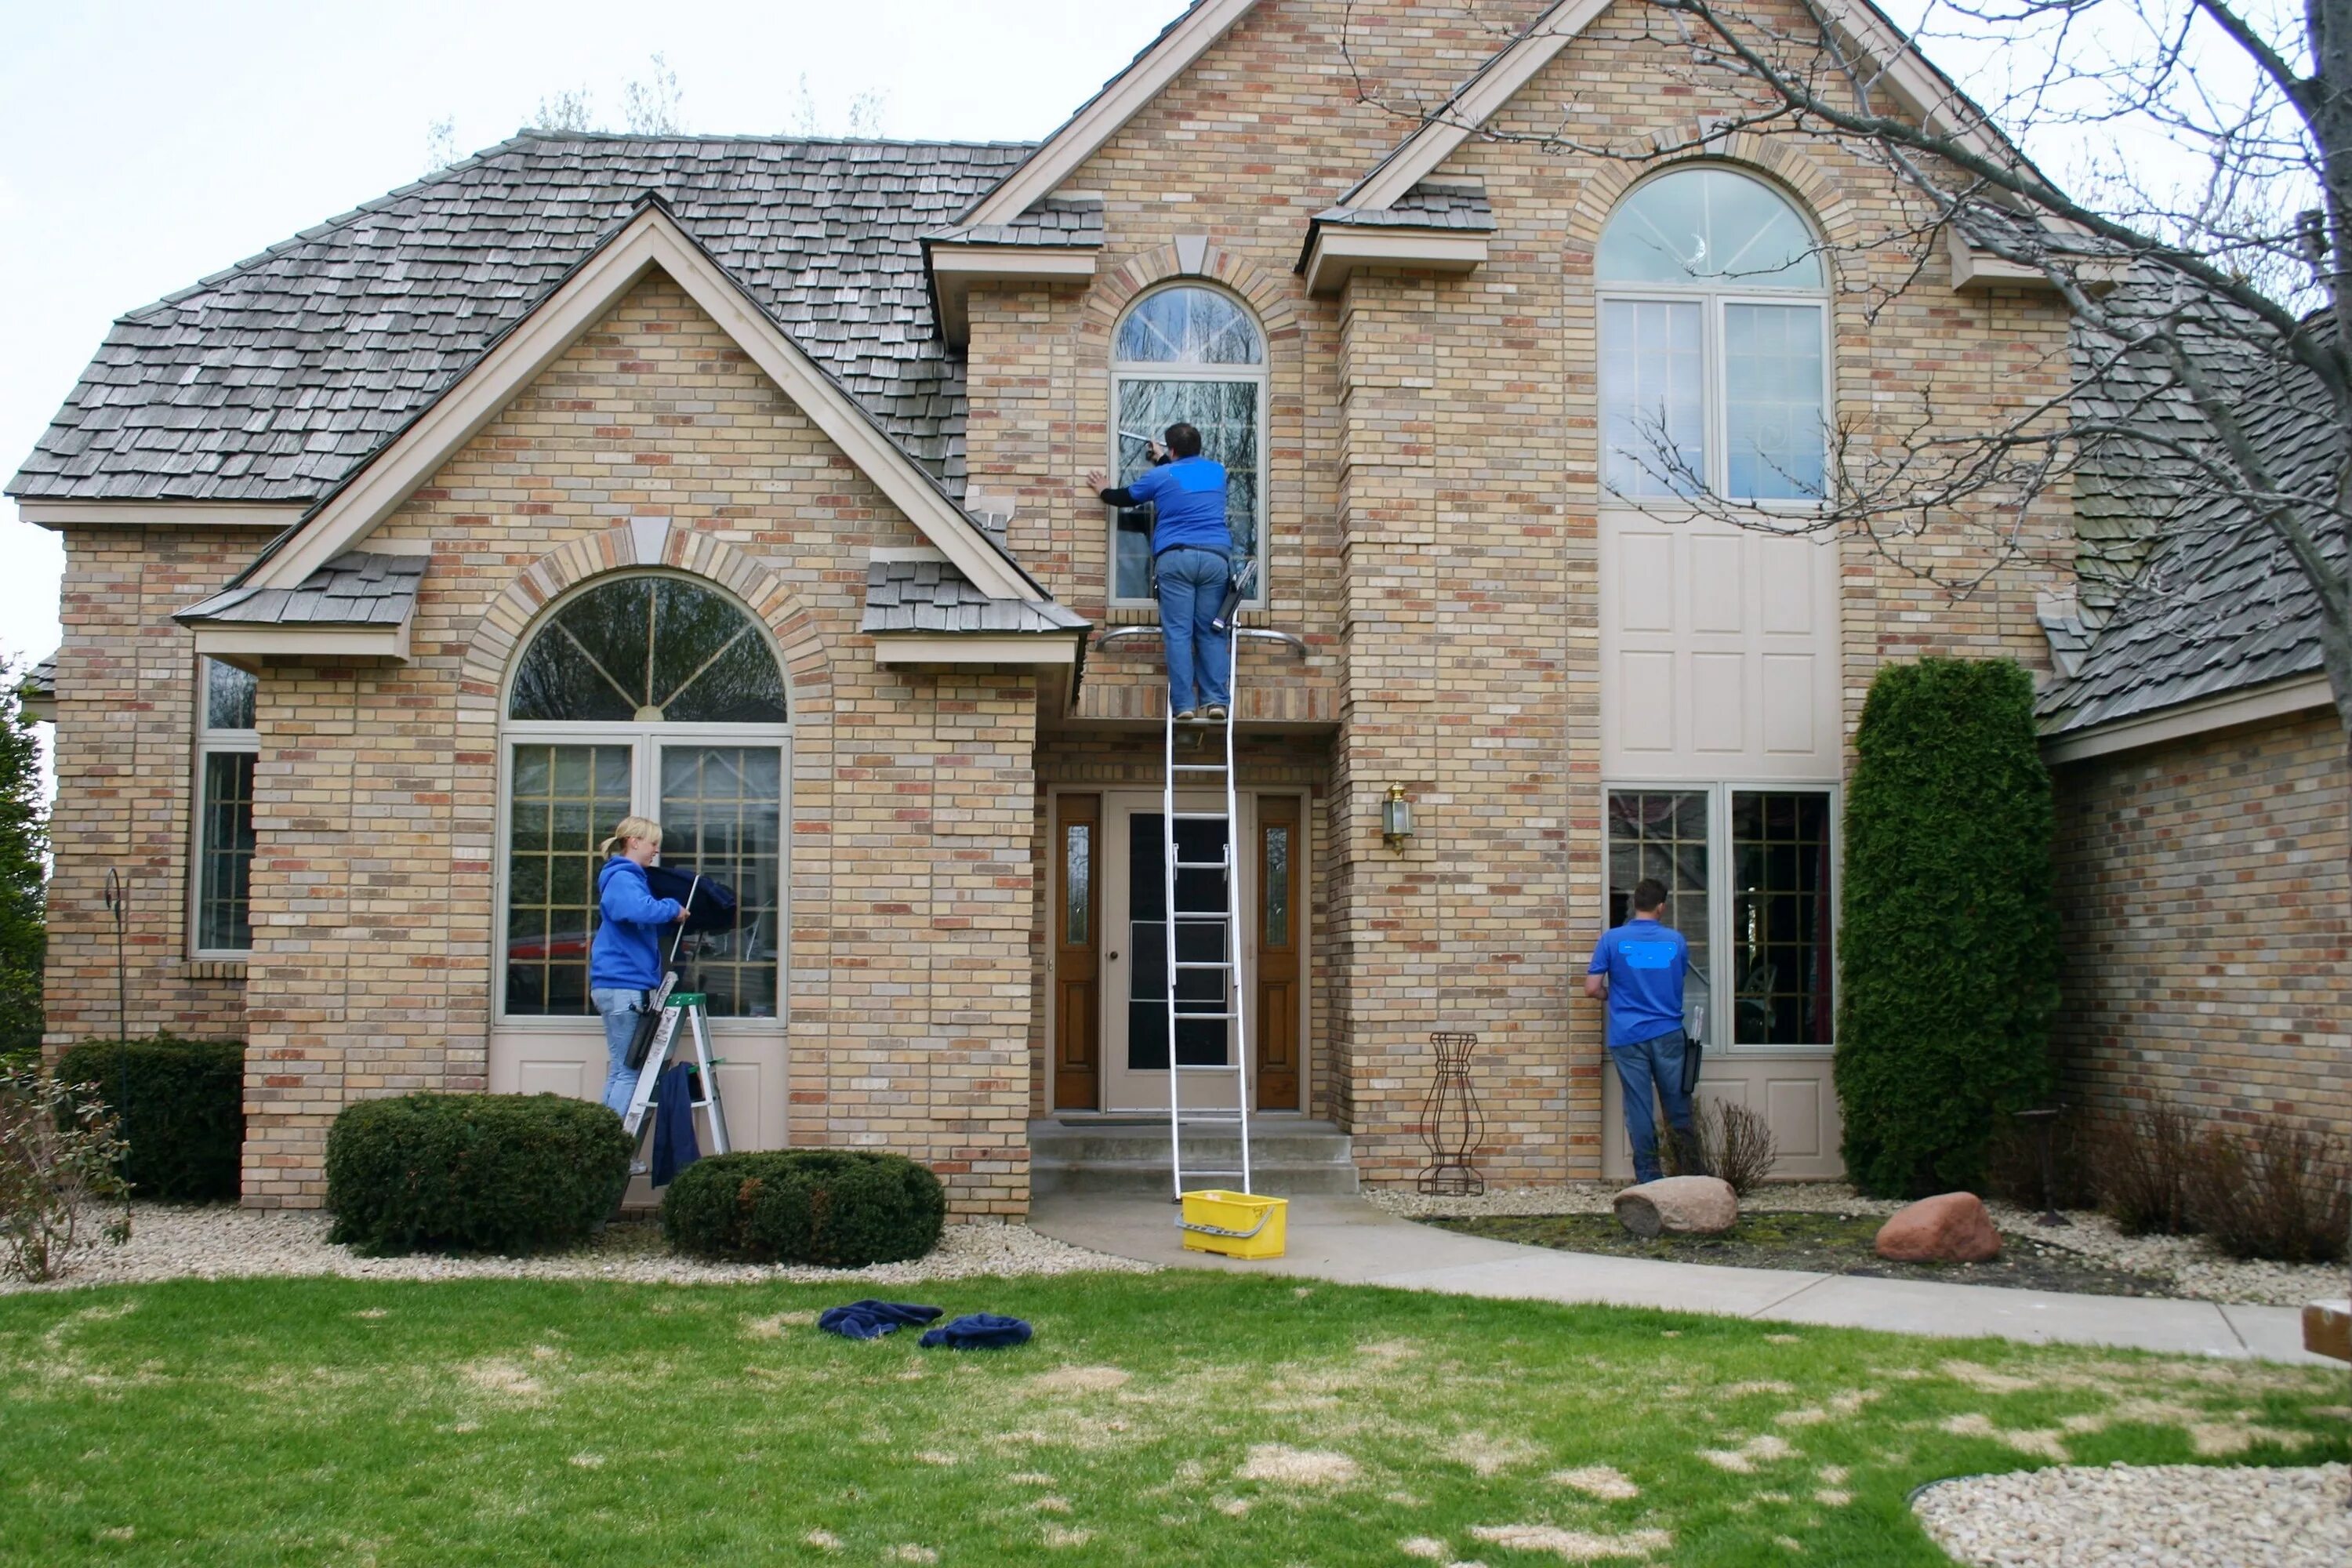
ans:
(1952, 1228)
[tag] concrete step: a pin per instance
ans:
(1288, 1155)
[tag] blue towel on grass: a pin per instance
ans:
(870, 1319)
(979, 1332)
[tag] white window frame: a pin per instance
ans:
(1714, 402)
(210, 743)
(1261, 375)
(1721, 998)
(646, 742)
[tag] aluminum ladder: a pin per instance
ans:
(689, 1012)
(1231, 1004)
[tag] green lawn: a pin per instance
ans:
(1167, 1418)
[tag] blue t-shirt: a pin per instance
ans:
(1190, 494)
(1645, 962)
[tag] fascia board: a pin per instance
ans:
(1080, 136)
(952, 648)
(237, 643)
(1974, 269)
(271, 515)
(39, 709)
(653, 239)
(1418, 156)
(956, 268)
(1337, 252)
(2183, 720)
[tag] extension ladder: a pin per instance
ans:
(687, 1012)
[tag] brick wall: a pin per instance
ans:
(126, 768)
(1435, 503)
(2203, 887)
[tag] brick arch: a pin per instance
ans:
(1777, 160)
(808, 677)
(1265, 293)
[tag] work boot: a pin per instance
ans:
(1187, 716)
(1216, 713)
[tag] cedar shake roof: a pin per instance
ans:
(357, 588)
(1056, 220)
(2185, 594)
(922, 595)
(1430, 204)
(270, 381)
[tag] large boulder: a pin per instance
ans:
(1678, 1205)
(1952, 1228)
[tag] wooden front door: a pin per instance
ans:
(1280, 914)
(1077, 947)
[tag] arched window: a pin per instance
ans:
(656, 696)
(1714, 342)
(1191, 355)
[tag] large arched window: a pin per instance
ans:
(1714, 342)
(657, 696)
(1192, 355)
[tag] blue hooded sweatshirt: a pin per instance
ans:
(627, 953)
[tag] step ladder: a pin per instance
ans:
(684, 1014)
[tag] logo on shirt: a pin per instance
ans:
(1648, 954)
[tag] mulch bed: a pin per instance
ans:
(1821, 1244)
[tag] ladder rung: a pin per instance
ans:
(1204, 963)
(1200, 816)
(1197, 916)
(1204, 865)
(1200, 767)
(1196, 1171)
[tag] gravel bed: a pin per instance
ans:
(2124, 1516)
(220, 1242)
(2195, 1270)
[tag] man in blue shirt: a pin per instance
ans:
(1192, 559)
(1639, 968)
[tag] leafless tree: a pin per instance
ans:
(2198, 235)
(650, 105)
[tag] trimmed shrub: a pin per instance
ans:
(1948, 955)
(841, 1208)
(179, 1106)
(473, 1173)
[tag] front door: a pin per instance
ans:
(1136, 1034)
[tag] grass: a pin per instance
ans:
(1825, 1242)
(1164, 1418)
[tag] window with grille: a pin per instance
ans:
(226, 744)
(1189, 355)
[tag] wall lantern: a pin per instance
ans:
(1396, 817)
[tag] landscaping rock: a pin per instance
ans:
(1952, 1228)
(1678, 1205)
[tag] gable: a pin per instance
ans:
(651, 241)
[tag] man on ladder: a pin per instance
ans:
(1192, 568)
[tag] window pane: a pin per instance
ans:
(563, 802)
(1277, 885)
(1708, 226)
(224, 857)
(1077, 854)
(1653, 379)
(1772, 402)
(1662, 835)
(1780, 913)
(650, 648)
(722, 815)
(228, 697)
(1226, 414)
(1200, 938)
(1187, 326)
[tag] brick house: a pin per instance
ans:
(358, 530)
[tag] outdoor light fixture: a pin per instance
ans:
(1396, 817)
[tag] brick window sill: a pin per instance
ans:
(212, 968)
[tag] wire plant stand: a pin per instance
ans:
(1452, 1122)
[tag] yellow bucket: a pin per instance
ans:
(1239, 1225)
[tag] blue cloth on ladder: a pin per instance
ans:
(870, 1319)
(674, 1145)
(979, 1331)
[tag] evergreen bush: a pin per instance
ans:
(473, 1173)
(844, 1209)
(1949, 956)
(179, 1105)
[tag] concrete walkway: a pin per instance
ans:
(1347, 1240)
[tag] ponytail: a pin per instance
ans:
(630, 828)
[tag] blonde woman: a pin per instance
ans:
(625, 964)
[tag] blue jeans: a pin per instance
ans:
(1192, 590)
(1642, 1066)
(620, 1010)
